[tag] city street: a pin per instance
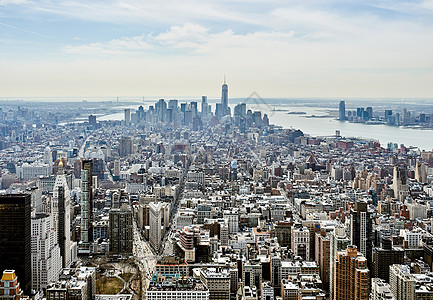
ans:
(144, 255)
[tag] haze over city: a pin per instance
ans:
(277, 48)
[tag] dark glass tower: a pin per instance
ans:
(15, 237)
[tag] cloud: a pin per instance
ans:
(23, 30)
(115, 46)
(151, 11)
(16, 2)
(188, 35)
(192, 37)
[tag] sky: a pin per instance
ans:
(173, 48)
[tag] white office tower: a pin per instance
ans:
(61, 212)
(45, 257)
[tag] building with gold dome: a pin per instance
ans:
(9, 286)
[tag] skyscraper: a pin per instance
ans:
(15, 237)
(193, 106)
(161, 110)
(384, 257)
(173, 104)
(352, 277)
(362, 229)
(338, 241)
(370, 112)
(342, 111)
(46, 259)
(323, 255)
(225, 99)
(400, 183)
(92, 121)
(86, 203)
(127, 117)
(204, 106)
(125, 146)
(61, 210)
(120, 229)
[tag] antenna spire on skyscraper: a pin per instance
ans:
(224, 78)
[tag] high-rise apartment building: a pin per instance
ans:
(120, 229)
(127, 117)
(276, 271)
(352, 277)
(86, 203)
(322, 254)
(384, 257)
(15, 237)
(369, 111)
(342, 111)
(362, 229)
(338, 241)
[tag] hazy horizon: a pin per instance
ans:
(212, 99)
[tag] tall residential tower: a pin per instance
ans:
(342, 111)
(86, 203)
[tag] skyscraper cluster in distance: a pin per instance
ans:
(191, 200)
(365, 115)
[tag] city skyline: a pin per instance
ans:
(178, 201)
(207, 150)
(279, 49)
